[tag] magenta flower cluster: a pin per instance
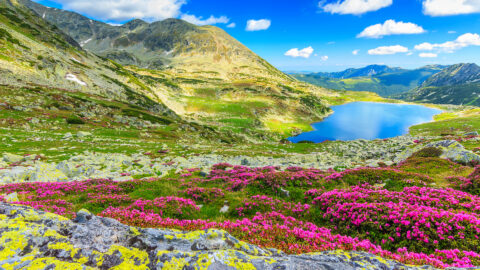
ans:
(264, 204)
(204, 194)
(425, 218)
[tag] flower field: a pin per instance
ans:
(417, 212)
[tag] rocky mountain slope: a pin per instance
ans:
(383, 80)
(167, 44)
(209, 77)
(457, 84)
(36, 52)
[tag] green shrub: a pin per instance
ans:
(74, 120)
(428, 152)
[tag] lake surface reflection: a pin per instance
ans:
(367, 120)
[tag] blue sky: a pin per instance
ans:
(327, 28)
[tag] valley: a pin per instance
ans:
(165, 145)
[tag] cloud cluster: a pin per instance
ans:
(428, 55)
(257, 25)
(390, 27)
(121, 10)
(355, 7)
(303, 53)
(450, 7)
(209, 21)
(324, 57)
(462, 41)
(387, 50)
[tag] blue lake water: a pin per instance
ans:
(367, 120)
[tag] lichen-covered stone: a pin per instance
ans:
(32, 239)
(451, 150)
(455, 151)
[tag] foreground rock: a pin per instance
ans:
(34, 239)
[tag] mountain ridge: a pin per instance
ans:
(160, 45)
(457, 84)
(381, 79)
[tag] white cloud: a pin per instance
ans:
(257, 25)
(428, 55)
(462, 41)
(356, 7)
(355, 52)
(324, 58)
(121, 10)
(304, 53)
(385, 50)
(452, 32)
(209, 21)
(232, 25)
(390, 27)
(450, 7)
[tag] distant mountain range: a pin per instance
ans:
(456, 84)
(383, 80)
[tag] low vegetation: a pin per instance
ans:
(398, 212)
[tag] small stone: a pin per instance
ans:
(474, 133)
(67, 135)
(224, 209)
(12, 158)
(12, 197)
(285, 192)
(82, 134)
(83, 216)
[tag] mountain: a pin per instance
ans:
(172, 67)
(455, 75)
(383, 80)
(167, 44)
(367, 71)
(36, 52)
(457, 84)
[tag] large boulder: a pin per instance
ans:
(32, 239)
(451, 149)
(455, 151)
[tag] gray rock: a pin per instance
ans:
(455, 151)
(12, 158)
(67, 135)
(82, 134)
(285, 193)
(12, 197)
(474, 133)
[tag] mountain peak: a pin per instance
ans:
(455, 74)
(135, 23)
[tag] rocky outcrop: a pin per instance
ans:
(34, 239)
(451, 150)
